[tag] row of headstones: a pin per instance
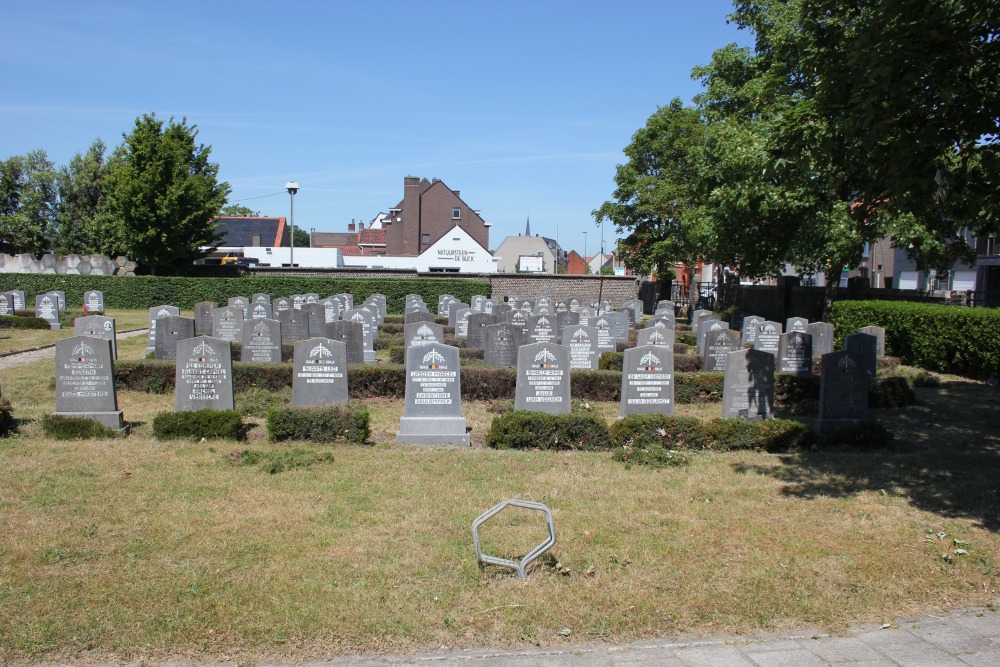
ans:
(50, 305)
(261, 338)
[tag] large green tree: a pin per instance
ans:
(81, 186)
(240, 211)
(28, 202)
(162, 192)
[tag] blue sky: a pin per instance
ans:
(523, 106)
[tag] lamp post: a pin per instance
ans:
(312, 230)
(585, 247)
(292, 188)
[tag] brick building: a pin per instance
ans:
(428, 211)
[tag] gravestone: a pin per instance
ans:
(488, 306)
(227, 324)
(352, 335)
(421, 333)
(564, 320)
(500, 310)
(748, 387)
(319, 373)
(298, 300)
(61, 296)
(768, 337)
(260, 297)
(795, 353)
(6, 304)
(204, 375)
(582, 344)
(606, 339)
(543, 378)
(697, 316)
(19, 302)
(879, 334)
(502, 342)
(865, 346)
(476, 336)
(282, 304)
(294, 325)
(47, 308)
(518, 319)
(331, 310)
(526, 306)
(619, 324)
(822, 337)
(316, 314)
(706, 327)
(453, 308)
(656, 336)
(155, 313)
(98, 326)
(85, 381)
(647, 381)
(843, 391)
(93, 302)
(203, 319)
(799, 324)
(542, 329)
(574, 305)
(432, 413)
(462, 322)
(347, 300)
(751, 325)
(170, 331)
(636, 308)
(443, 300)
(587, 314)
(662, 320)
(239, 302)
(365, 318)
(261, 341)
(718, 345)
(476, 303)
(561, 306)
(261, 311)
(418, 316)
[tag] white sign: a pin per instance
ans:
(530, 263)
(619, 270)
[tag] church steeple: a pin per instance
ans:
(527, 227)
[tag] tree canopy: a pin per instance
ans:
(81, 194)
(28, 202)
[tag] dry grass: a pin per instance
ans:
(137, 549)
(21, 339)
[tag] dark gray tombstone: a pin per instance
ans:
(697, 316)
(331, 309)
(316, 314)
(748, 388)
(261, 311)
(526, 306)
(261, 341)
(294, 325)
(282, 304)
(865, 346)
(443, 301)
(61, 296)
(298, 300)
(365, 318)
(619, 323)
(606, 339)
(574, 305)
(706, 327)
(879, 334)
(47, 308)
(319, 373)
(310, 298)
(543, 378)
(93, 302)
(240, 302)
(19, 302)
(587, 315)
(795, 353)
(476, 303)
(6, 304)
(347, 300)
(462, 322)
(432, 413)
(751, 324)
(718, 345)
(154, 314)
(544, 310)
(519, 320)
(843, 391)
(418, 316)
(502, 341)
(351, 334)
(635, 307)
(85, 381)
(799, 324)
(664, 306)
(488, 306)
(260, 297)
(647, 381)
(662, 320)
(422, 333)
(204, 375)
(656, 336)
(566, 319)
(227, 324)
(203, 320)
(768, 337)
(98, 326)
(453, 308)
(582, 344)
(476, 336)
(169, 332)
(822, 338)
(542, 329)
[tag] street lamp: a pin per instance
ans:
(292, 188)
(585, 247)
(312, 230)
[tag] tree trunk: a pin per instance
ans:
(829, 296)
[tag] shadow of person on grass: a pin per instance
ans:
(945, 458)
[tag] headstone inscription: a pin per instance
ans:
(298, 300)
(606, 339)
(261, 341)
(587, 315)
(85, 381)
(432, 413)
(542, 329)
(260, 297)
(261, 311)
(169, 331)
(364, 317)
(518, 319)
(155, 313)
(331, 309)
(418, 316)
(239, 302)
(822, 337)
(751, 324)
(879, 334)
(647, 381)
(476, 336)
(543, 378)
(488, 306)
(476, 303)
(316, 315)
(93, 302)
(582, 344)
(795, 353)
(662, 320)
(352, 335)
(204, 375)
(443, 300)
(312, 297)
(421, 333)
(19, 302)
(462, 322)
(203, 320)
(320, 373)
(619, 323)
(843, 391)
(502, 341)
(294, 325)
(768, 337)
(47, 308)
(98, 326)
(453, 308)
(656, 336)
(718, 345)
(865, 346)
(6, 304)
(748, 387)
(565, 320)
(706, 327)
(61, 297)
(574, 305)
(227, 324)
(282, 304)
(800, 324)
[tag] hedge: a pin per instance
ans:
(197, 424)
(523, 429)
(8, 423)
(946, 339)
(61, 427)
(638, 432)
(148, 291)
(17, 322)
(320, 424)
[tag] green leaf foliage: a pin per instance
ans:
(685, 433)
(61, 427)
(327, 424)
(28, 203)
(198, 424)
(523, 429)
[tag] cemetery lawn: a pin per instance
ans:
(138, 549)
(22, 339)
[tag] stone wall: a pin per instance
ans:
(97, 265)
(589, 288)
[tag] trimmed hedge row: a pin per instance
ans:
(17, 322)
(946, 339)
(198, 424)
(523, 429)
(326, 424)
(61, 427)
(148, 291)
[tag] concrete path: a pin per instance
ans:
(14, 359)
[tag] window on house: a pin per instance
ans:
(425, 238)
(456, 214)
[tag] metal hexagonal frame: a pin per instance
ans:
(519, 566)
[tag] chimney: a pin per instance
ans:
(351, 227)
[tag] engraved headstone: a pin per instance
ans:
(843, 391)
(261, 341)
(6, 304)
(85, 381)
(476, 336)
(61, 296)
(768, 337)
(865, 346)
(432, 414)
(93, 302)
(751, 324)
(656, 336)
(526, 306)
(822, 337)
(582, 344)
(647, 381)
(443, 300)
(619, 324)
(260, 297)
(171, 330)
(298, 300)
(331, 309)
(543, 378)
(519, 320)
(799, 324)
(261, 311)
(227, 324)
(19, 302)
(351, 334)
(418, 316)
(319, 373)
(587, 314)
(98, 326)
(294, 325)
(316, 314)
(421, 333)
(364, 317)
(155, 313)
(204, 374)
(502, 342)
(239, 302)
(47, 308)
(476, 303)
(453, 308)
(203, 319)
(718, 345)
(708, 326)
(565, 320)
(462, 322)
(281, 304)
(879, 334)
(748, 387)
(542, 329)
(606, 339)
(795, 353)
(662, 320)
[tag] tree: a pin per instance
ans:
(81, 186)
(162, 192)
(238, 210)
(28, 201)
(302, 238)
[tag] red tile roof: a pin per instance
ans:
(372, 237)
